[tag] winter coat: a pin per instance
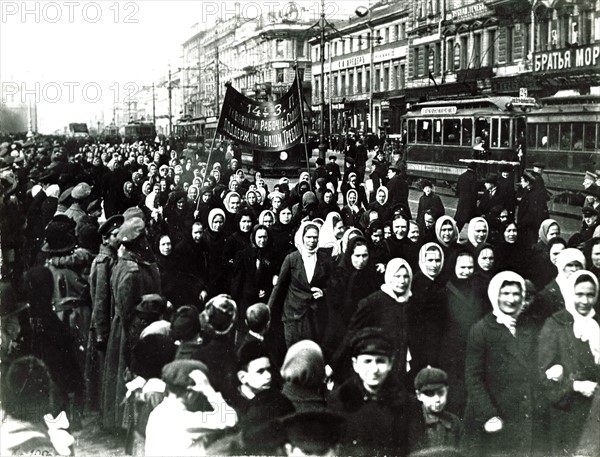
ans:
(568, 409)
(533, 210)
(466, 191)
(430, 202)
(131, 278)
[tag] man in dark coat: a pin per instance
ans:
(506, 185)
(466, 191)
(320, 172)
(494, 196)
(370, 400)
(398, 189)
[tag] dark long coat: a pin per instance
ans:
(568, 409)
(131, 278)
(303, 316)
(499, 374)
(466, 191)
(533, 209)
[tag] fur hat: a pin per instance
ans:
(219, 315)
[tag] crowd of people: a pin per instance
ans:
(202, 311)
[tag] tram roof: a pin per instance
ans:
(471, 102)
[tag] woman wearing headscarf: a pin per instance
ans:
(512, 255)
(367, 218)
(387, 309)
(477, 232)
(267, 218)
(541, 270)
(399, 245)
(178, 215)
(301, 288)
(428, 306)
(253, 272)
(352, 184)
(251, 203)
(351, 212)
(485, 267)
(446, 233)
(552, 298)
(378, 249)
(500, 373)
(213, 243)
(240, 239)
(351, 280)
(282, 233)
(129, 198)
(331, 234)
(381, 204)
(569, 362)
(464, 307)
(232, 203)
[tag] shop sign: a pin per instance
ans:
(567, 59)
(468, 12)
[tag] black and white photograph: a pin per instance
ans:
(300, 228)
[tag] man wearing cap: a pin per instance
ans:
(80, 194)
(494, 196)
(506, 185)
(316, 433)
(320, 172)
(333, 172)
(102, 307)
(429, 425)
(134, 275)
(191, 412)
(370, 399)
(589, 223)
(397, 189)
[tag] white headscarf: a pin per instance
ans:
(348, 235)
(326, 235)
(384, 190)
(585, 328)
(423, 255)
(309, 256)
(510, 322)
(438, 229)
(393, 266)
(565, 257)
(471, 230)
(213, 213)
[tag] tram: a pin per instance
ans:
(189, 134)
(564, 133)
(138, 131)
(442, 136)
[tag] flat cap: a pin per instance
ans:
(81, 191)
(539, 165)
(177, 373)
(372, 340)
(131, 230)
(110, 224)
(430, 378)
(589, 211)
(492, 178)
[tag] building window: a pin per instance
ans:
(279, 75)
(368, 80)
(377, 80)
(437, 62)
(343, 88)
(387, 34)
(386, 78)
(450, 55)
(477, 50)
(360, 42)
(403, 30)
(402, 76)
(351, 44)
(279, 45)
(317, 85)
(359, 82)
(395, 82)
(416, 52)
(396, 32)
(335, 85)
(491, 50)
(509, 44)
(350, 83)
(299, 47)
(464, 54)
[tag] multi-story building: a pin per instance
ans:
(364, 70)
(257, 55)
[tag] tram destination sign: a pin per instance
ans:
(582, 57)
(439, 110)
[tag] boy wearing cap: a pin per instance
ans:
(371, 402)
(429, 200)
(429, 424)
(190, 413)
(333, 172)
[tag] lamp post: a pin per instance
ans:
(322, 146)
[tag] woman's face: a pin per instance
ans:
(251, 198)
(486, 259)
(464, 267)
(400, 281)
(377, 236)
(571, 268)
(260, 238)
(360, 257)
(596, 255)
(381, 197)
(510, 298)
(310, 238)
(433, 262)
(447, 232)
(503, 216)
(413, 233)
(510, 234)
(205, 197)
(338, 230)
(193, 193)
(156, 188)
(480, 232)
(267, 220)
(164, 246)
(585, 294)
(352, 198)
(234, 185)
(128, 187)
(275, 203)
(285, 216)
(186, 186)
(553, 232)
(217, 223)
(387, 232)
(400, 228)
(554, 251)
(245, 224)
(327, 197)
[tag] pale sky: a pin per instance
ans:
(56, 48)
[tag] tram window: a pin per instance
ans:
(411, 131)
(495, 132)
(505, 133)
(437, 131)
(553, 130)
(589, 137)
(451, 131)
(424, 131)
(542, 136)
(467, 132)
(565, 136)
(577, 136)
(532, 136)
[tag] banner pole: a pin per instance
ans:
(303, 127)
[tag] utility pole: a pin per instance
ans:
(170, 103)
(322, 147)
(153, 106)
(217, 70)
